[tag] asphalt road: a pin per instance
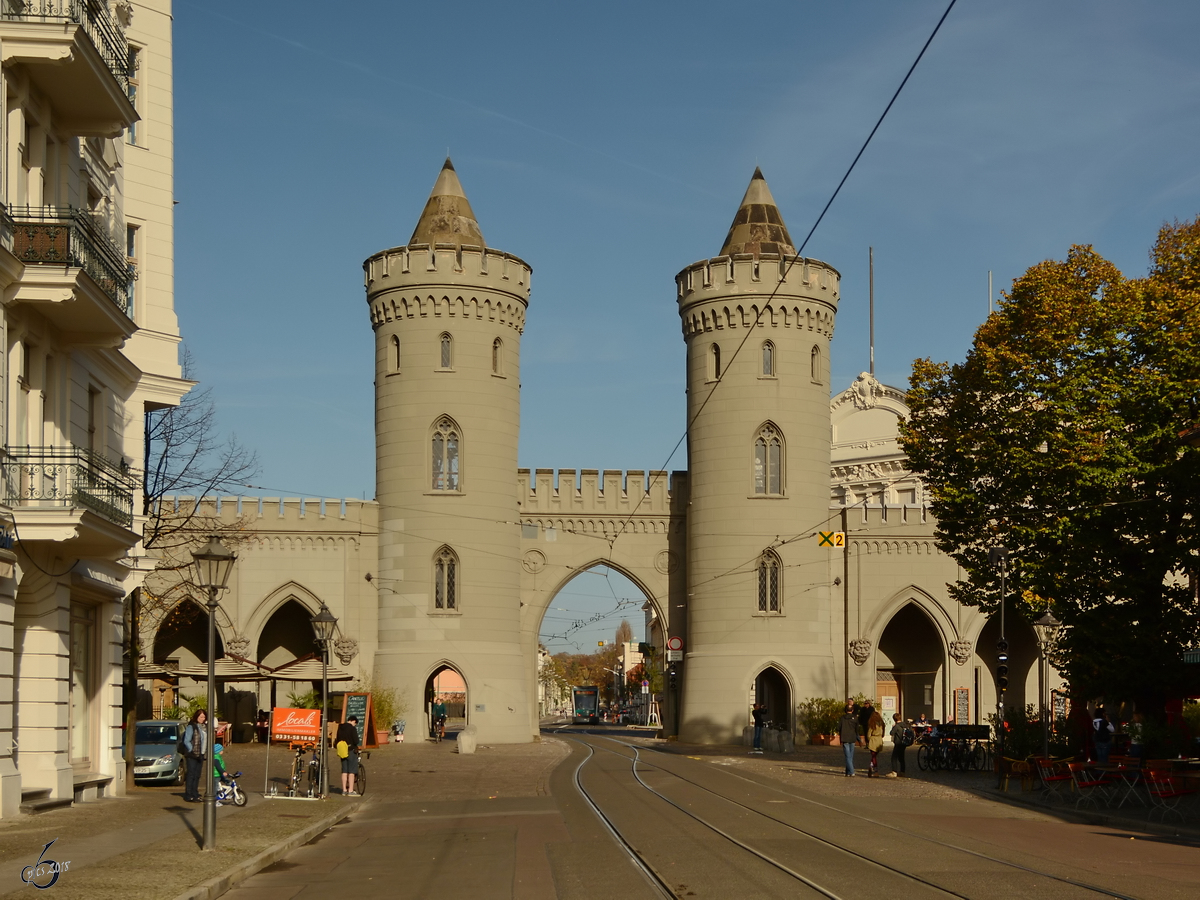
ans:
(706, 825)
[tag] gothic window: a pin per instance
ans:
(394, 353)
(768, 359)
(446, 444)
(497, 357)
(768, 461)
(445, 580)
(447, 358)
(816, 364)
(714, 362)
(769, 587)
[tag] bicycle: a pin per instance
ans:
(298, 771)
(360, 784)
(439, 730)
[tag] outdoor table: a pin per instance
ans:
(1127, 778)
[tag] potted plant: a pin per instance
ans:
(818, 716)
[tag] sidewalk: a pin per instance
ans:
(146, 844)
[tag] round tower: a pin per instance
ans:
(448, 313)
(757, 321)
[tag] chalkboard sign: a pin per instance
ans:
(962, 705)
(360, 705)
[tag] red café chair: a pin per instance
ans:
(1053, 779)
(1089, 786)
(1165, 794)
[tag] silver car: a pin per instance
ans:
(157, 759)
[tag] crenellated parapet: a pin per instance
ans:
(565, 492)
(719, 293)
(269, 514)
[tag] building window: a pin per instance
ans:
(447, 359)
(131, 259)
(497, 357)
(769, 592)
(445, 580)
(815, 365)
(768, 359)
(135, 61)
(394, 353)
(714, 362)
(445, 455)
(768, 461)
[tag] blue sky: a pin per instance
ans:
(620, 137)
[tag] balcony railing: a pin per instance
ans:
(66, 236)
(91, 15)
(68, 477)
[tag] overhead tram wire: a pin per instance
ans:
(799, 255)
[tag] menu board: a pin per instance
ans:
(360, 705)
(962, 706)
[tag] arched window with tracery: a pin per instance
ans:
(768, 359)
(447, 444)
(445, 580)
(447, 357)
(768, 461)
(770, 584)
(815, 365)
(394, 353)
(497, 357)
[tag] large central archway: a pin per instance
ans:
(910, 666)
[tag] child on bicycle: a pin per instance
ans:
(220, 773)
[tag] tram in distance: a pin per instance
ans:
(586, 702)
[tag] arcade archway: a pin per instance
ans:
(182, 638)
(910, 667)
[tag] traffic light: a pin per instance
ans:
(1002, 665)
(672, 679)
(645, 649)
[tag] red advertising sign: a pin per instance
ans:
(295, 724)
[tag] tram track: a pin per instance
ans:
(859, 858)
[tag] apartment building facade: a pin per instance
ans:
(91, 343)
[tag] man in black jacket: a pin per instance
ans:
(848, 735)
(348, 732)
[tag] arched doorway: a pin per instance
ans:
(287, 635)
(447, 686)
(771, 689)
(182, 638)
(910, 667)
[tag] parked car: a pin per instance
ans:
(157, 759)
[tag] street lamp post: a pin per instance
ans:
(1046, 629)
(213, 565)
(324, 625)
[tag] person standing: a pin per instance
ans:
(902, 738)
(848, 735)
(864, 717)
(195, 738)
(874, 741)
(1135, 729)
(759, 715)
(1102, 732)
(346, 740)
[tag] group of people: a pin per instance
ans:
(862, 723)
(195, 747)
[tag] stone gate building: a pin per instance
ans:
(456, 561)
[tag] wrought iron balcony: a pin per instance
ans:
(66, 236)
(91, 15)
(68, 477)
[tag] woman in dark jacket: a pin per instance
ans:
(195, 737)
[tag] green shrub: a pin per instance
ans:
(819, 715)
(307, 700)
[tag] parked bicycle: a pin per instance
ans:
(305, 772)
(962, 747)
(360, 785)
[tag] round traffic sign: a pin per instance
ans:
(675, 643)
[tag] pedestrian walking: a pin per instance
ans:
(759, 715)
(195, 737)
(864, 712)
(848, 735)
(902, 738)
(874, 741)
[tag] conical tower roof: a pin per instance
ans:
(758, 227)
(448, 217)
